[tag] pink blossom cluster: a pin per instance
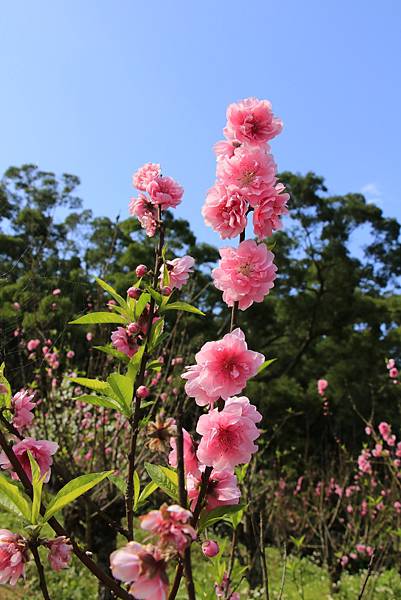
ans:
(41, 450)
(171, 525)
(246, 173)
(155, 191)
(392, 370)
(22, 406)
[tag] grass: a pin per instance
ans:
(304, 580)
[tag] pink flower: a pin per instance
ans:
(191, 463)
(344, 561)
(13, 556)
(385, 430)
(225, 210)
(144, 568)
(245, 274)
(123, 342)
(252, 170)
(227, 436)
(142, 391)
(222, 369)
(393, 373)
(56, 292)
(145, 212)
(368, 430)
(143, 176)
(179, 270)
(22, 405)
(222, 489)
(171, 524)
(268, 212)
(60, 552)
(41, 450)
(165, 191)
(322, 386)
(89, 336)
(390, 363)
(252, 120)
(225, 149)
(397, 506)
(32, 345)
(364, 462)
(70, 354)
(210, 548)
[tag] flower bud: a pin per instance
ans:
(134, 292)
(166, 290)
(142, 391)
(141, 270)
(133, 328)
(210, 548)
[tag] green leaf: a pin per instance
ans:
(155, 365)
(123, 390)
(110, 290)
(119, 482)
(155, 295)
(134, 364)
(16, 497)
(137, 489)
(112, 352)
(92, 384)
(209, 517)
(37, 484)
(99, 317)
(183, 306)
(140, 305)
(146, 492)
(5, 399)
(155, 334)
(165, 478)
(98, 401)
(265, 365)
(72, 490)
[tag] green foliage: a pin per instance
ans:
(165, 478)
(13, 499)
(72, 490)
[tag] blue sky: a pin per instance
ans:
(97, 88)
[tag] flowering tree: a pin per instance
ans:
(204, 472)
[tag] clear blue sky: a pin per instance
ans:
(98, 87)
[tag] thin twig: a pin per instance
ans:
(42, 579)
(263, 561)
(368, 574)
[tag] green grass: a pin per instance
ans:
(304, 580)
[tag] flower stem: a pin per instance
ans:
(129, 495)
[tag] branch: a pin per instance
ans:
(42, 579)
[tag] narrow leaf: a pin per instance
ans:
(72, 490)
(134, 364)
(37, 484)
(98, 401)
(209, 517)
(112, 352)
(16, 497)
(183, 306)
(140, 305)
(137, 489)
(99, 317)
(110, 290)
(157, 297)
(165, 478)
(5, 399)
(146, 492)
(265, 365)
(92, 384)
(123, 389)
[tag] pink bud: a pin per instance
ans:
(141, 270)
(56, 292)
(89, 336)
(142, 391)
(210, 548)
(166, 290)
(70, 354)
(133, 328)
(134, 292)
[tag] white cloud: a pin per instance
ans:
(372, 192)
